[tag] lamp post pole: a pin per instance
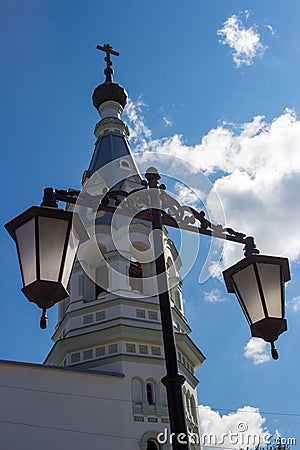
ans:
(173, 381)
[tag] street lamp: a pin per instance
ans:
(258, 282)
(47, 251)
(46, 245)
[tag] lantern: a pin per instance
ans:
(258, 282)
(46, 244)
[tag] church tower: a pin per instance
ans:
(111, 320)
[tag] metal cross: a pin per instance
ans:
(108, 71)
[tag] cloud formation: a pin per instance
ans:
(188, 196)
(167, 122)
(245, 43)
(294, 304)
(214, 296)
(257, 350)
(271, 29)
(256, 170)
(133, 114)
(246, 425)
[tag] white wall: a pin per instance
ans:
(48, 408)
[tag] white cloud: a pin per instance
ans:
(294, 304)
(139, 132)
(214, 296)
(246, 426)
(189, 196)
(167, 122)
(244, 42)
(247, 13)
(257, 350)
(256, 167)
(269, 27)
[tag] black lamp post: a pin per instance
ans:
(47, 247)
(173, 381)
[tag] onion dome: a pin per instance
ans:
(109, 91)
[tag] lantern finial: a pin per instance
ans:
(274, 351)
(250, 247)
(44, 319)
(49, 198)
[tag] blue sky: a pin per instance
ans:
(213, 82)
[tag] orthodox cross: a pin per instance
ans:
(108, 71)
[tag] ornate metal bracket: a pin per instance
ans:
(138, 203)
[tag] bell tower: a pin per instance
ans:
(111, 320)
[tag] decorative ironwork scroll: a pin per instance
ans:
(138, 204)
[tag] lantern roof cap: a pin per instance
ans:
(34, 211)
(46, 211)
(256, 259)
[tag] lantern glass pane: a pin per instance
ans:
(246, 283)
(52, 236)
(70, 256)
(25, 235)
(269, 275)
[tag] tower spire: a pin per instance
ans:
(110, 98)
(108, 71)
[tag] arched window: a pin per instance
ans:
(135, 276)
(124, 164)
(188, 404)
(149, 441)
(101, 279)
(152, 445)
(101, 284)
(170, 267)
(193, 408)
(150, 394)
(136, 390)
(177, 299)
